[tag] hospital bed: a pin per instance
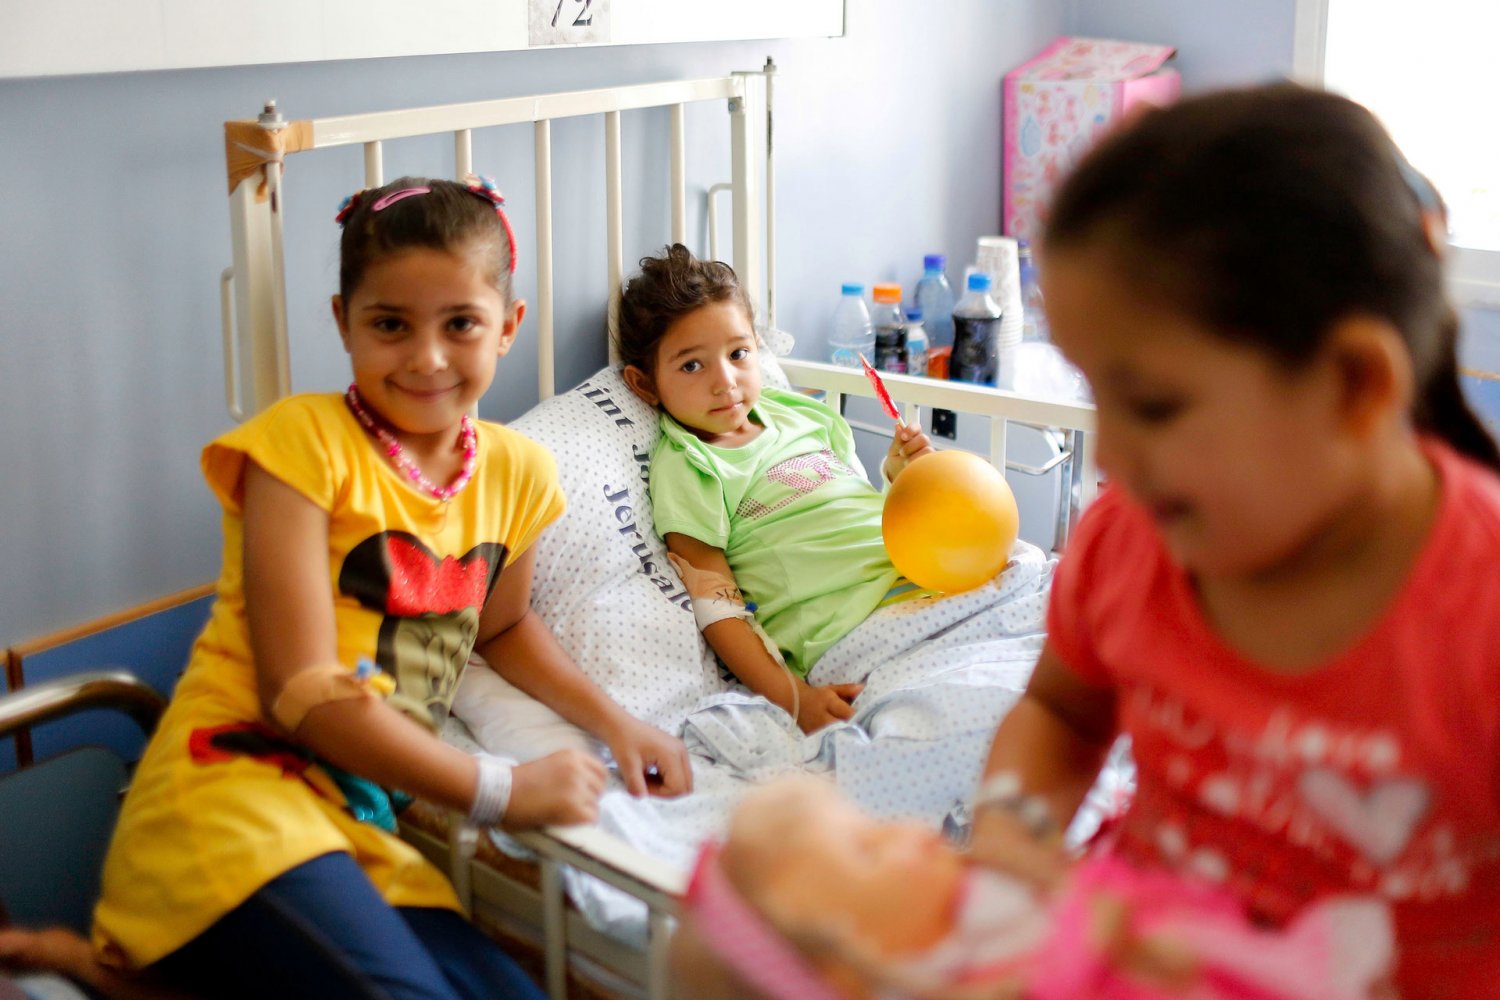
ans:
(518, 893)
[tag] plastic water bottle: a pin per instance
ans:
(976, 334)
(1033, 316)
(916, 343)
(934, 296)
(852, 333)
(890, 330)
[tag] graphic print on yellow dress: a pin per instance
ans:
(408, 575)
(216, 744)
(431, 607)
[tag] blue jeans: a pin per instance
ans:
(321, 930)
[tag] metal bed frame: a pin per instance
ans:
(257, 372)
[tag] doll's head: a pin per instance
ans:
(814, 863)
(807, 891)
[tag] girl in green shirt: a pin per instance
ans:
(757, 493)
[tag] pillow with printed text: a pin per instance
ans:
(603, 584)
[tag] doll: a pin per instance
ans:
(808, 898)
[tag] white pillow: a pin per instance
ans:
(603, 583)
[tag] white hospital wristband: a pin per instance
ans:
(492, 794)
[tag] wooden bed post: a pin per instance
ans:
(257, 371)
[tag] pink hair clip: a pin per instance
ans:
(485, 188)
(349, 204)
(743, 940)
(387, 200)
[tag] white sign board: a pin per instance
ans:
(58, 37)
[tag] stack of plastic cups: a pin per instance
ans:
(1000, 258)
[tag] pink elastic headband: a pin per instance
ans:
(485, 188)
(743, 940)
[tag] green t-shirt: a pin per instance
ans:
(794, 514)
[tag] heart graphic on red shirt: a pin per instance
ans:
(1379, 821)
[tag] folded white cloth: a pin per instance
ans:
(507, 722)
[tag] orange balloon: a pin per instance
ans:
(949, 521)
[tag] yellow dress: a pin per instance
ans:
(219, 806)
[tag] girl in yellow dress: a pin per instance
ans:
(372, 540)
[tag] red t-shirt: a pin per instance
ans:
(1376, 773)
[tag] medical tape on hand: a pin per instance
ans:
(715, 595)
(718, 609)
(717, 598)
(319, 685)
(711, 610)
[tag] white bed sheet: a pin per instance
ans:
(939, 675)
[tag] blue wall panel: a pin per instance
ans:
(155, 648)
(7, 746)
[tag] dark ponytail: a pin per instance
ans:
(1268, 214)
(1441, 408)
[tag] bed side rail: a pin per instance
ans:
(589, 849)
(1076, 420)
(595, 852)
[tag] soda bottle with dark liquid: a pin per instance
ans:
(890, 329)
(976, 334)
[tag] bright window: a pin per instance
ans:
(1426, 70)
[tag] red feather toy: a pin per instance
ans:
(881, 393)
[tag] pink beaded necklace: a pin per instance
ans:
(402, 461)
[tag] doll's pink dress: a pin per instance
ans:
(1336, 949)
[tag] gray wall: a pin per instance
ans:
(115, 230)
(1219, 42)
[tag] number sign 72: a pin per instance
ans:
(584, 18)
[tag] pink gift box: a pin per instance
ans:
(1057, 105)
